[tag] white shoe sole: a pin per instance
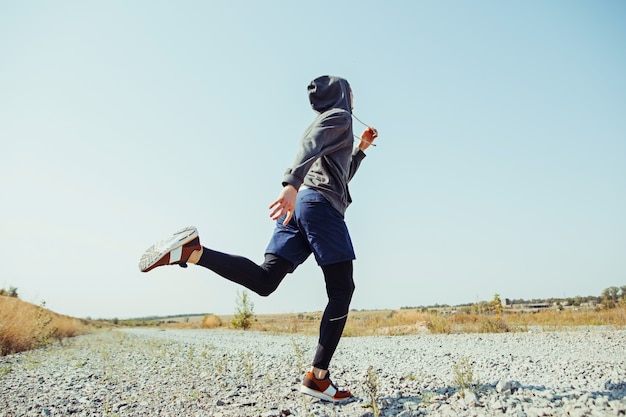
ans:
(308, 391)
(163, 247)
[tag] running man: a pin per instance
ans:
(309, 214)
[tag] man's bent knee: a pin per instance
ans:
(275, 269)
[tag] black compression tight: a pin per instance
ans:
(264, 279)
(339, 287)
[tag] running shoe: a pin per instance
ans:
(175, 250)
(323, 389)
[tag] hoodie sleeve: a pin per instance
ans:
(357, 156)
(326, 134)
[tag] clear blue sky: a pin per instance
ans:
(500, 166)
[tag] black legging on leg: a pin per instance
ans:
(339, 287)
(262, 279)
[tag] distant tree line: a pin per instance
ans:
(609, 298)
(613, 296)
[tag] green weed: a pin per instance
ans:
(464, 375)
(370, 385)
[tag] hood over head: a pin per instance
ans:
(329, 92)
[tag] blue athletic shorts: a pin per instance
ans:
(316, 227)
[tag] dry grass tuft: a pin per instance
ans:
(211, 321)
(25, 326)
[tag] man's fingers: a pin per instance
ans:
(277, 212)
(274, 204)
(278, 209)
(287, 217)
(284, 204)
(373, 132)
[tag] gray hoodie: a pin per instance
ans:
(326, 160)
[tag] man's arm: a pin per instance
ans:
(323, 137)
(367, 138)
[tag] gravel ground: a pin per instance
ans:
(229, 373)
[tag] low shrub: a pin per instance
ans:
(211, 321)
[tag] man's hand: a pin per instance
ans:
(285, 203)
(367, 137)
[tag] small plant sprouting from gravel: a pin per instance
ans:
(238, 366)
(246, 367)
(4, 370)
(299, 353)
(191, 351)
(299, 365)
(370, 386)
(221, 365)
(414, 376)
(464, 375)
(305, 404)
(428, 397)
